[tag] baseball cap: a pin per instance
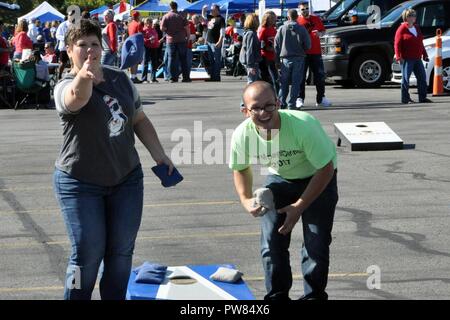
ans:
(136, 14)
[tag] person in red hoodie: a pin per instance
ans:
(266, 35)
(313, 60)
(151, 43)
(409, 50)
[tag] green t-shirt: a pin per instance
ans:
(297, 151)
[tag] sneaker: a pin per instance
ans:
(154, 81)
(299, 103)
(410, 101)
(186, 80)
(145, 81)
(325, 103)
(136, 80)
(426, 100)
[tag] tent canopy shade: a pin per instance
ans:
(42, 9)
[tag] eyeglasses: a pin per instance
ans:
(412, 15)
(304, 9)
(258, 110)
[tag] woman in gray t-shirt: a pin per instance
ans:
(98, 178)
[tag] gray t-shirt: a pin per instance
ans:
(98, 141)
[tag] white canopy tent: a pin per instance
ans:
(40, 10)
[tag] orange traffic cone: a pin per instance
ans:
(438, 84)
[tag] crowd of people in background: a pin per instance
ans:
(242, 45)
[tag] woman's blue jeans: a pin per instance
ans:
(408, 67)
(317, 221)
(102, 224)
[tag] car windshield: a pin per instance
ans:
(391, 16)
(341, 7)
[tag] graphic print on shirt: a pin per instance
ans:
(116, 124)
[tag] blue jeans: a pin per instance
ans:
(189, 57)
(269, 73)
(108, 59)
(314, 63)
(177, 56)
(215, 61)
(102, 224)
(317, 221)
(291, 73)
(408, 67)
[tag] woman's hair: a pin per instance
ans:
(84, 28)
(266, 18)
(148, 20)
(22, 26)
(251, 22)
(36, 56)
(407, 12)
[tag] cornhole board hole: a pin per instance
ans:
(199, 74)
(367, 136)
(189, 283)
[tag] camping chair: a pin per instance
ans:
(25, 77)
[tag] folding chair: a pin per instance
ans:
(25, 77)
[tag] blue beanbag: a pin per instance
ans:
(132, 51)
(150, 273)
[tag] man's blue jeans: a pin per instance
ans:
(408, 67)
(314, 63)
(102, 224)
(177, 56)
(109, 59)
(291, 73)
(215, 61)
(317, 221)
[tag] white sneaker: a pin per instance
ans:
(325, 103)
(299, 103)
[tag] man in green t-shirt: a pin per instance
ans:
(301, 161)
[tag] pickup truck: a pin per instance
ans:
(362, 55)
(352, 12)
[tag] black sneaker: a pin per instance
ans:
(136, 80)
(409, 102)
(186, 80)
(426, 100)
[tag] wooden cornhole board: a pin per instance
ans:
(190, 282)
(367, 136)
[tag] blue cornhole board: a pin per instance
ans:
(203, 288)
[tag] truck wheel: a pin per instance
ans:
(369, 71)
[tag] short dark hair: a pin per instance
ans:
(293, 14)
(85, 27)
(173, 5)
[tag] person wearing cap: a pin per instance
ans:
(214, 40)
(134, 27)
(109, 39)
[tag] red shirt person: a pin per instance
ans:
(266, 35)
(313, 60)
(409, 50)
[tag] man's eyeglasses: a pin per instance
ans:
(304, 9)
(258, 110)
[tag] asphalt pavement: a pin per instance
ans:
(393, 215)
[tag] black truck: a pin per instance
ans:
(362, 55)
(353, 12)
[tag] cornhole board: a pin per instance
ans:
(193, 285)
(367, 136)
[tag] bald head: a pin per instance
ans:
(258, 88)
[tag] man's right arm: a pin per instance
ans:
(243, 181)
